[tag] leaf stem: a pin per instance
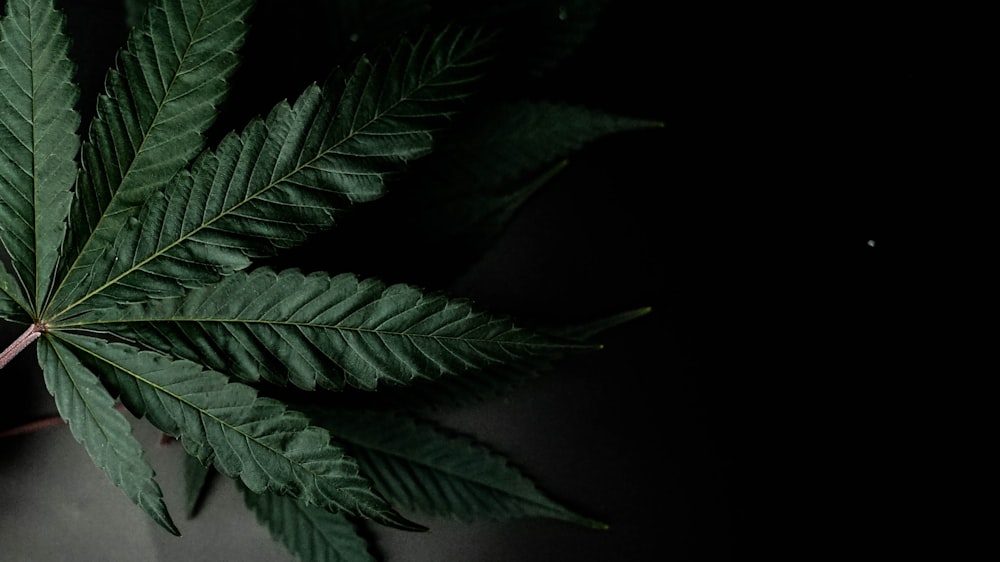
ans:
(32, 427)
(41, 423)
(22, 341)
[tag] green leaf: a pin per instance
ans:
(452, 392)
(196, 479)
(587, 330)
(495, 381)
(464, 195)
(38, 141)
(285, 177)
(100, 428)
(12, 304)
(428, 470)
(160, 100)
(144, 236)
(509, 139)
(334, 331)
(256, 440)
(480, 217)
(311, 534)
(466, 222)
(492, 163)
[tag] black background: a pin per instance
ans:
(751, 412)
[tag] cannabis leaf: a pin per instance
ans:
(313, 328)
(281, 179)
(89, 409)
(257, 440)
(38, 144)
(136, 256)
(196, 478)
(309, 533)
(483, 170)
(431, 471)
(149, 124)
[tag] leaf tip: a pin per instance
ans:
(415, 527)
(169, 526)
(398, 521)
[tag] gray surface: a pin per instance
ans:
(57, 506)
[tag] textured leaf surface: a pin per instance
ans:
(103, 431)
(256, 440)
(427, 470)
(334, 331)
(495, 381)
(38, 140)
(160, 100)
(452, 392)
(311, 534)
(287, 176)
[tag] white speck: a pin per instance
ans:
(354, 38)
(563, 14)
(871, 243)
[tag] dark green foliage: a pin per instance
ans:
(153, 255)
